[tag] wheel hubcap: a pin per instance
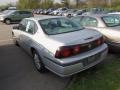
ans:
(37, 61)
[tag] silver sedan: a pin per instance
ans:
(108, 25)
(60, 45)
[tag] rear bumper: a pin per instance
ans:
(84, 61)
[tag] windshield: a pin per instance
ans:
(59, 25)
(111, 21)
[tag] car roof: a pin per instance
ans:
(42, 17)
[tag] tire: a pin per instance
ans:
(38, 62)
(7, 21)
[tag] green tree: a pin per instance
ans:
(28, 4)
(6, 6)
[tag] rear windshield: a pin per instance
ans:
(59, 25)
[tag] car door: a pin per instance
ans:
(22, 30)
(28, 36)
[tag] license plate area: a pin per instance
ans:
(92, 59)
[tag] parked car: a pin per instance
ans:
(70, 12)
(55, 12)
(49, 11)
(12, 8)
(108, 25)
(59, 44)
(10, 16)
(79, 12)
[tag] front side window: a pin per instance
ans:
(58, 25)
(89, 21)
(111, 21)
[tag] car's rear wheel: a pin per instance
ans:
(38, 62)
(7, 21)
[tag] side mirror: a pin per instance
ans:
(16, 27)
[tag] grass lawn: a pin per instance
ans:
(105, 76)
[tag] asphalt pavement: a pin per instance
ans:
(17, 71)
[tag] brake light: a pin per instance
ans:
(99, 41)
(63, 52)
(76, 49)
(67, 51)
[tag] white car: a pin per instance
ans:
(60, 45)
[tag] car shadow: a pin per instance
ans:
(17, 69)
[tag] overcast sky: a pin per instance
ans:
(2, 2)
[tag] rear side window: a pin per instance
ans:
(31, 27)
(89, 21)
(28, 26)
(111, 21)
(22, 25)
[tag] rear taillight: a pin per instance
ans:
(76, 49)
(99, 41)
(67, 51)
(63, 52)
